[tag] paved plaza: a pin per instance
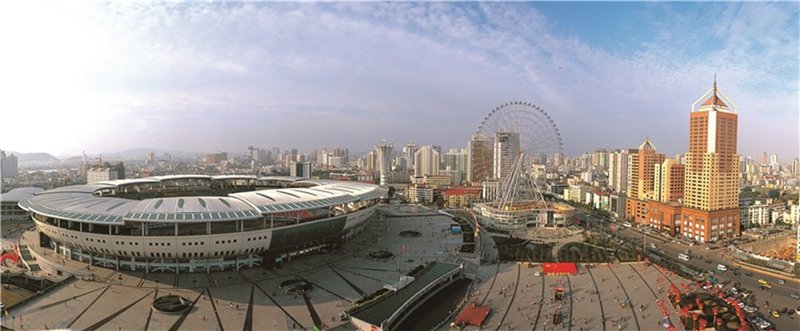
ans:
(600, 297)
(245, 299)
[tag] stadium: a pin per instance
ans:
(197, 223)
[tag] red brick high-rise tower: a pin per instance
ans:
(711, 192)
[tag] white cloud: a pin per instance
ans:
(424, 71)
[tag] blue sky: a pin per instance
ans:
(206, 77)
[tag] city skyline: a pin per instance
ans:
(206, 77)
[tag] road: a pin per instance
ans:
(778, 297)
(707, 260)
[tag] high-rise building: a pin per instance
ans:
(506, 152)
(774, 164)
(8, 165)
(558, 159)
(258, 155)
(600, 158)
(426, 161)
(276, 154)
(384, 151)
(300, 169)
(618, 171)
(711, 197)
(641, 179)
(408, 154)
(796, 167)
(149, 159)
(120, 169)
(669, 179)
(455, 163)
(479, 164)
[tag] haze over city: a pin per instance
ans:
(210, 76)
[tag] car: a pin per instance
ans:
(776, 313)
(795, 296)
(748, 274)
(750, 309)
(762, 281)
(781, 281)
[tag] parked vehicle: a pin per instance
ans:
(750, 309)
(683, 257)
(722, 267)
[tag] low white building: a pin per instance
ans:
(756, 214)
(419, 194)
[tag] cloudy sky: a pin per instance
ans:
(210, 76)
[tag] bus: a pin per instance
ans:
(683, 257)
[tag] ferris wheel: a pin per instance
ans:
(510, 151)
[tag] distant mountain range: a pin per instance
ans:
(24, 159)
(43, 160)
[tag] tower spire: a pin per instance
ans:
(715, 89)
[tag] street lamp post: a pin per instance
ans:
(644, 234)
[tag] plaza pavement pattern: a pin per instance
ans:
(600, 297)
(248, 299)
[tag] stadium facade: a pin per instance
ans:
(197, 223)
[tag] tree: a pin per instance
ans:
(773, 193)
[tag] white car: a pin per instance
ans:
(750, 309)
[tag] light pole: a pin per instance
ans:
(644, 234)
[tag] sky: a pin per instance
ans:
(105, 77)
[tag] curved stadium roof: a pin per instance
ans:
(79, 204)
